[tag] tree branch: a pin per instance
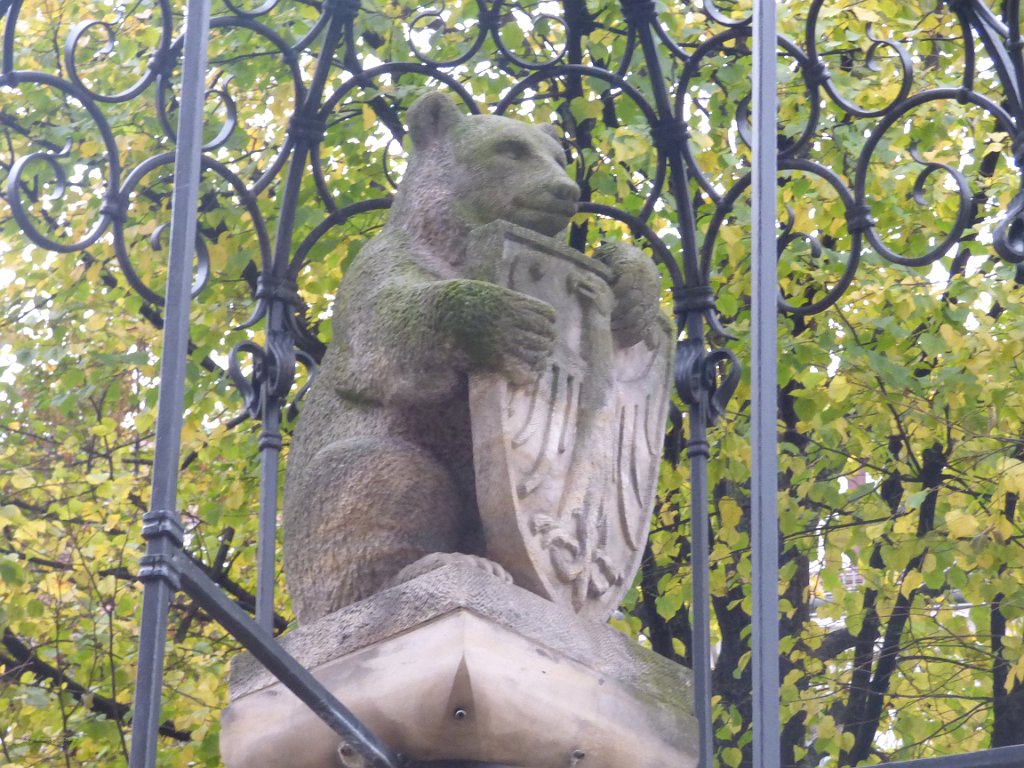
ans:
(22, 659)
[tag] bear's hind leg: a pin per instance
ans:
(361, 511)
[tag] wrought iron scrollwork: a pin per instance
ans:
(271, 376)
(706, 380)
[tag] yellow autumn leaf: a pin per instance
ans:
(911, 581)
(961, 525)
(865, 14)
(930, 563)
(1003, 529)
(952, 337)
(905, 525)
(826, 729)
(1016, 675)
(731, 513)
(96, 322)
(22, 479)
(875, 530)
(730, 235)
(840, 538)
(838, 388)
(1012, 478)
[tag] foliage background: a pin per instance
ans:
(900, 408)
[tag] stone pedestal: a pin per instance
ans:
(457, 668)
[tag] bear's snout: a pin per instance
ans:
(565, 189)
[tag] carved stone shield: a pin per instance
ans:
(567, 464)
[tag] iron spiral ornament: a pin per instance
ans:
(545, 54)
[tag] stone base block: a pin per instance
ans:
(457, 668)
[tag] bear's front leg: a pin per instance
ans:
(636, 284)
(491, 328)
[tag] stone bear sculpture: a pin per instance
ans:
(380, 482)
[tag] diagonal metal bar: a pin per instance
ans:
(764, 376)
(1002, 757)
(299, 681)
(162, 528)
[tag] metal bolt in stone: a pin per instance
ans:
(349, 757)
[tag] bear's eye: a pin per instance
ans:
(512, 149)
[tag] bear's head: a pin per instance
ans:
(467, 171)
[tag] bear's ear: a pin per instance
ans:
(551, 131)
(431, 117)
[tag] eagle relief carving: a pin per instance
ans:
(567, 462)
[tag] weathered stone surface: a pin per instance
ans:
(382, 472)
(458, 666)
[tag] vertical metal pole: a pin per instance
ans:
(698, 452)
(266, 549)
(764, 376)
(162, 527)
